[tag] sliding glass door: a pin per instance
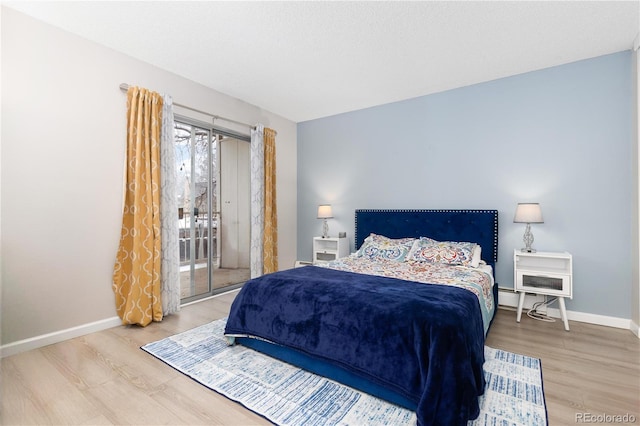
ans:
(213, 213)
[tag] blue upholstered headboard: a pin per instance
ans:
(476, 226)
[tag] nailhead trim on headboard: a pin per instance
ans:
(438, 218)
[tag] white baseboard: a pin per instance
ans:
(57, 336)
(508, 297)
(635, 329)
(81, 330)
(592, 318)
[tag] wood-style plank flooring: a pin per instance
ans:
(104, 378)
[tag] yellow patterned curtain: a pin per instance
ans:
(136, 275)
(270, 241)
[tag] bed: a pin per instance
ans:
(416, 341)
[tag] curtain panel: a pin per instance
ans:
(264, 223)
(137, 270)
(270, 234)
(170, 277)
(257, 199)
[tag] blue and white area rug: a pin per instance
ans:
(287, 395)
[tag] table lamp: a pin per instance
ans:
(324, 212)
(528, 213)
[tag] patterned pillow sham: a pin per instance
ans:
(381, 247)
(445, 252)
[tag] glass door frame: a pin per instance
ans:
(213, 131)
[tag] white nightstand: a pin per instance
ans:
(545, 273)
(330, 248)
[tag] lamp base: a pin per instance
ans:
(528, 240)
(325, 229)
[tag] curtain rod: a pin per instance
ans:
(124, 87)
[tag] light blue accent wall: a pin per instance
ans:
(560, 136)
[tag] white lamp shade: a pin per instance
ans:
(528, 213)
(324, 211)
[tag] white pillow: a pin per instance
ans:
(477, 256)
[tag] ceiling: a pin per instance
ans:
(306, 60)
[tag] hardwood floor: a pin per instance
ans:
(590, 370)
(104, 378)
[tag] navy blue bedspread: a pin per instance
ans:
(423, 341)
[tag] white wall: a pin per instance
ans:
(63, 142)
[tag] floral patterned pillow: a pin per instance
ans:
(445, 252)
(381, 247)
